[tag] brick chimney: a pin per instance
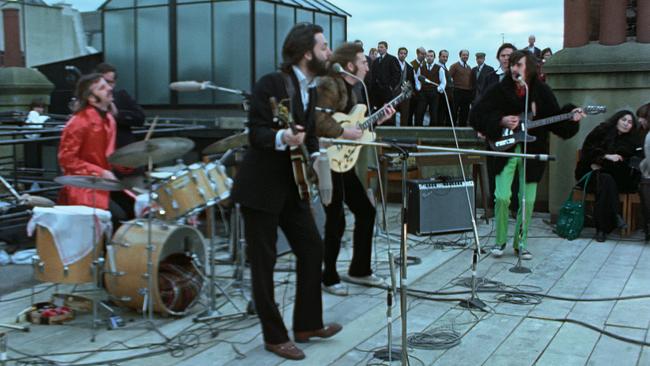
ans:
(12, 56)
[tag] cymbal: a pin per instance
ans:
(36, 201)
(92, 182)
(225, 144)
(159, 149)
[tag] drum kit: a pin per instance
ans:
(154, 263)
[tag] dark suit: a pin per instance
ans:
(130, 114)
(265, 188)
(479, 79)
(386, 74)
(404, 108)
(536, 51)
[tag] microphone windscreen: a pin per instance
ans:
(337, 68)
(324, 178)
(186, 86)
(422, 79)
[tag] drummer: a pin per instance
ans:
(87, 140)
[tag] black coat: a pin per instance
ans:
(130, 114)
(479, 82)
(501, 100)
(604, 139)
(265, 177)
(410, 76)
(385, 76)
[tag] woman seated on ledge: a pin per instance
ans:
(607, 151)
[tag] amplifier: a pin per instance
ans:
(439, 206)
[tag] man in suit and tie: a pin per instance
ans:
(479, 73)
(420, 54)
(532, 49)
(461, 74)
(386, 74)
(406, 75)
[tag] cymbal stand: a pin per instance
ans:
(211, 312)
(97, 269)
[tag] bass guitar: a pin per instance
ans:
(344, 157)
(303, 173)
(510, 138)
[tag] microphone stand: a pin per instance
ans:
(473, 302)
(518, 268)
(404, 153)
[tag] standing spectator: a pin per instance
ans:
(479, 73)
(428, 97)
(406, 75)
(532, 49)
(446, 85)
(386, 74)
(420, 54)
(461, 74)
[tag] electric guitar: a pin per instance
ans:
(303, 173)
(510, 138)
(343, 157)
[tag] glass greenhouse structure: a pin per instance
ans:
(230, 42)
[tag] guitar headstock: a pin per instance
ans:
(594, 109)
(281, 113)
(407, 88)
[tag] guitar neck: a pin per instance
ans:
(549, 120)
(380, 113)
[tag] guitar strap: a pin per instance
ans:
(291, 91)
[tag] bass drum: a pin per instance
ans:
(178, 257)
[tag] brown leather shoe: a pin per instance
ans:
(287, 350)
(327, 331)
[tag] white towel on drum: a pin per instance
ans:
(72, 229)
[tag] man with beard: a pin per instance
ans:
(500, 108)
(87, 140)
(269, 197)
(335, 94)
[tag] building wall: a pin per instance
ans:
(49, 33)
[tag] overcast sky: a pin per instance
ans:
(478, 25)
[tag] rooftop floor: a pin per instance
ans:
(507, 334)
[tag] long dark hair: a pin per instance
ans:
(83, 92)
(347, 52)
(613, 120)
(531, 65)
(299, 41)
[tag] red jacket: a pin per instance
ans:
(87, 141)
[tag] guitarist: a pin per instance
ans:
(335, 94)
(500, 108)
(266, 190)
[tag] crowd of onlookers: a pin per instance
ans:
(456, 86)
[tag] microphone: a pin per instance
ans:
(187, 86)
(521, 80)
(340, 70)
(324, 177)
(423, 79)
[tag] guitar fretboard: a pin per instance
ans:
(380, 113)
(549, 120)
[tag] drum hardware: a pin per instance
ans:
(225, 144)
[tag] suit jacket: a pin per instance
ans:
(265, 177)
(385, 75)
(537, 52)
(479, 81)
(410, 76)
(130, 114)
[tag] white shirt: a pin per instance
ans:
(416, 73)
(441, 76)
(305, 84)
(500, 73)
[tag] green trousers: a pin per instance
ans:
(502, 194)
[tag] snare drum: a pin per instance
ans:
(185, 193)
(220, 183)
(178, 255)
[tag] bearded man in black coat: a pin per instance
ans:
(501, 108)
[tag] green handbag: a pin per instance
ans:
(571, 218)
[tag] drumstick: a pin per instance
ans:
(129, 193)
(150, 132)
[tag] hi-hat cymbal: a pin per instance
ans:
(225, 144)
(89, 181)
(158, 149)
